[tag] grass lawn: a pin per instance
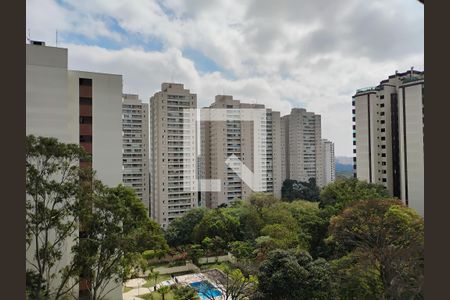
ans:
(156, 296)
(215, 266)
(127, 289)
(161, 278)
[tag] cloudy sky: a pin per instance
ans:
(284, 53)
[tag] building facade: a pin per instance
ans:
(135, 139)
(302, 143)
(328, 159)
(236, 135)
(75, 107)
(387, 120)
(173, 155)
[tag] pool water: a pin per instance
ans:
(205, 289)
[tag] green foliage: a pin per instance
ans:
(232, 283)
(390, 238)
(52, 191)
(163, 291)
(195, 252)
(184, 293)
(118, 230)
(300, 190)
(355, 279)
(288, 275)
(181, 230)
(217, 223)
(242, 249)
(342, 192)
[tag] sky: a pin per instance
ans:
(284, 54)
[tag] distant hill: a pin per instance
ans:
(344, 166)
(344, 160)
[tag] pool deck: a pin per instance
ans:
(190, 278)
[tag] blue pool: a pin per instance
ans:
(205, 289)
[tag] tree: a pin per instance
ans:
(153, 275)
(163, 291)
(232, 283)
(242, 250)
(289, 275)
(281, 236)
(195, 252)
(300, 190)
(262, 201)
(181, 230)
(217, 223)
(356, 279)
(52, 188)
(184, 293)
(313, 224)
(342, 192)
(390, 238)
(117, 229)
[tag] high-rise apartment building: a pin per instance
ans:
(135, 146)
(388, 136)
(173, 144)
(328, 159)
(238, 136)
(75, 107)
(301, 146)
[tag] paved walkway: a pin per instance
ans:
(138, 289)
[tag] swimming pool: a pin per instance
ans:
(205, 289)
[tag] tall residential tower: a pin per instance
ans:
(173, 155)
(135, 146)
(81, 108)
(236, 135)
(301, 146)
(388, 136)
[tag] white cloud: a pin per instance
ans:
(284, 53)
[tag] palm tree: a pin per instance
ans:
(153, 275)
(163, 291)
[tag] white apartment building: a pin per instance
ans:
(328, 159)
(301, 146)
(135, 146)
(75, 107)
(388, 136)
(238, 136)
(173, 144)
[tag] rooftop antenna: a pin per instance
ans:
(56, 39)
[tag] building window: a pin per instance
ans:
(85, 82)
(85, 138)
(85, 120)
(85, 100)
(382, 97)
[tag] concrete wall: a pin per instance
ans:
(412, 158)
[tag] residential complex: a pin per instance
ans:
(135, 146)
(173, 140)
(328, 159)
(301, 157)
(256, 146)
(388, 136)
(75, 107)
